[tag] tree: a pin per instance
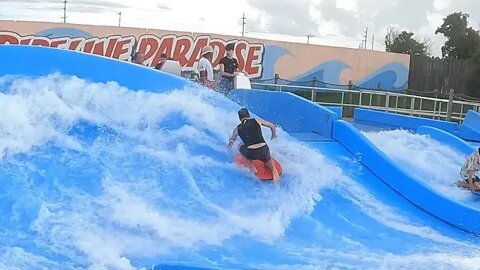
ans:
(403, 42)
(462, 41)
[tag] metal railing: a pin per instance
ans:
(435, 108)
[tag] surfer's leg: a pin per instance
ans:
(271, 165)
(244, 152)
(268, 160)
(251, 165)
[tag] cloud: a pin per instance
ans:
(471, 7)
(80, 6)
(163, 7)
(340, 21)
(377, 15)
(283, 16)
(348, 18)
(348, 22)
(94, 3)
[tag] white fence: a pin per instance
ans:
(436, 108)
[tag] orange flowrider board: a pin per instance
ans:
(263, 172)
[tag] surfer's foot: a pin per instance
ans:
(276, 177)
(461, 183)
(253, 169)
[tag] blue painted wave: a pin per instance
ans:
(327, 74)
(272, 54)
(63, 32)
(393, 77)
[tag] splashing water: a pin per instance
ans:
(430, 161)
(95, 176)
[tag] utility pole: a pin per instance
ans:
(366, 37)
(373, 40)
(308, 38)
(243, 25)
(64, 11)
(119, 18)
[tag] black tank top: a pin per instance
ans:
(250, 132)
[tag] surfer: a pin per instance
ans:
(468, 170)
(254, 146)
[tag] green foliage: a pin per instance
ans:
(462, 41)
(403, 42)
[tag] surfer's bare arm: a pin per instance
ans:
(233, 137)
(271, 126)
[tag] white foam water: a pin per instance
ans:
(96, 176)
(430, 161)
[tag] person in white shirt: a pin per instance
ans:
(205, 68)
(468, 170)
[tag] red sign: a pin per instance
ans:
(184, 49)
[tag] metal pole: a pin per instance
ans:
(119, 19)
(387, 102)
(308, 38)
(65, 11)
(366, 38)
(450, 104)
(277, 77)
(412, 105)
(243, 25)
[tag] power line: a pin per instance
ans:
(343, 39)
(243, 25)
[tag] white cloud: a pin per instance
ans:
(441, 4)
(350, 5)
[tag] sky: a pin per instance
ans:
(331, 22)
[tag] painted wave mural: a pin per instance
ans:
(390, 77)
(296, 64)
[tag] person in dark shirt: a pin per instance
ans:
(138, 58)
(228, 70)
(163, 59)
(254, 146)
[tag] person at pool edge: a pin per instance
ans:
(468, 170)
(254, 146)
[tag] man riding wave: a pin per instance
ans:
(254, 146)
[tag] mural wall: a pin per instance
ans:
(261, 59)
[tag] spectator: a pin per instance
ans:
(138, 58)
(205, 68)
(163, 59)
(228, 70)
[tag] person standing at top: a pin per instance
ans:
(205, 68)
(138, 58)
(163, 59)
(228, 70)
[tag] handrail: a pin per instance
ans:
(442, 108)
(320, 89)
